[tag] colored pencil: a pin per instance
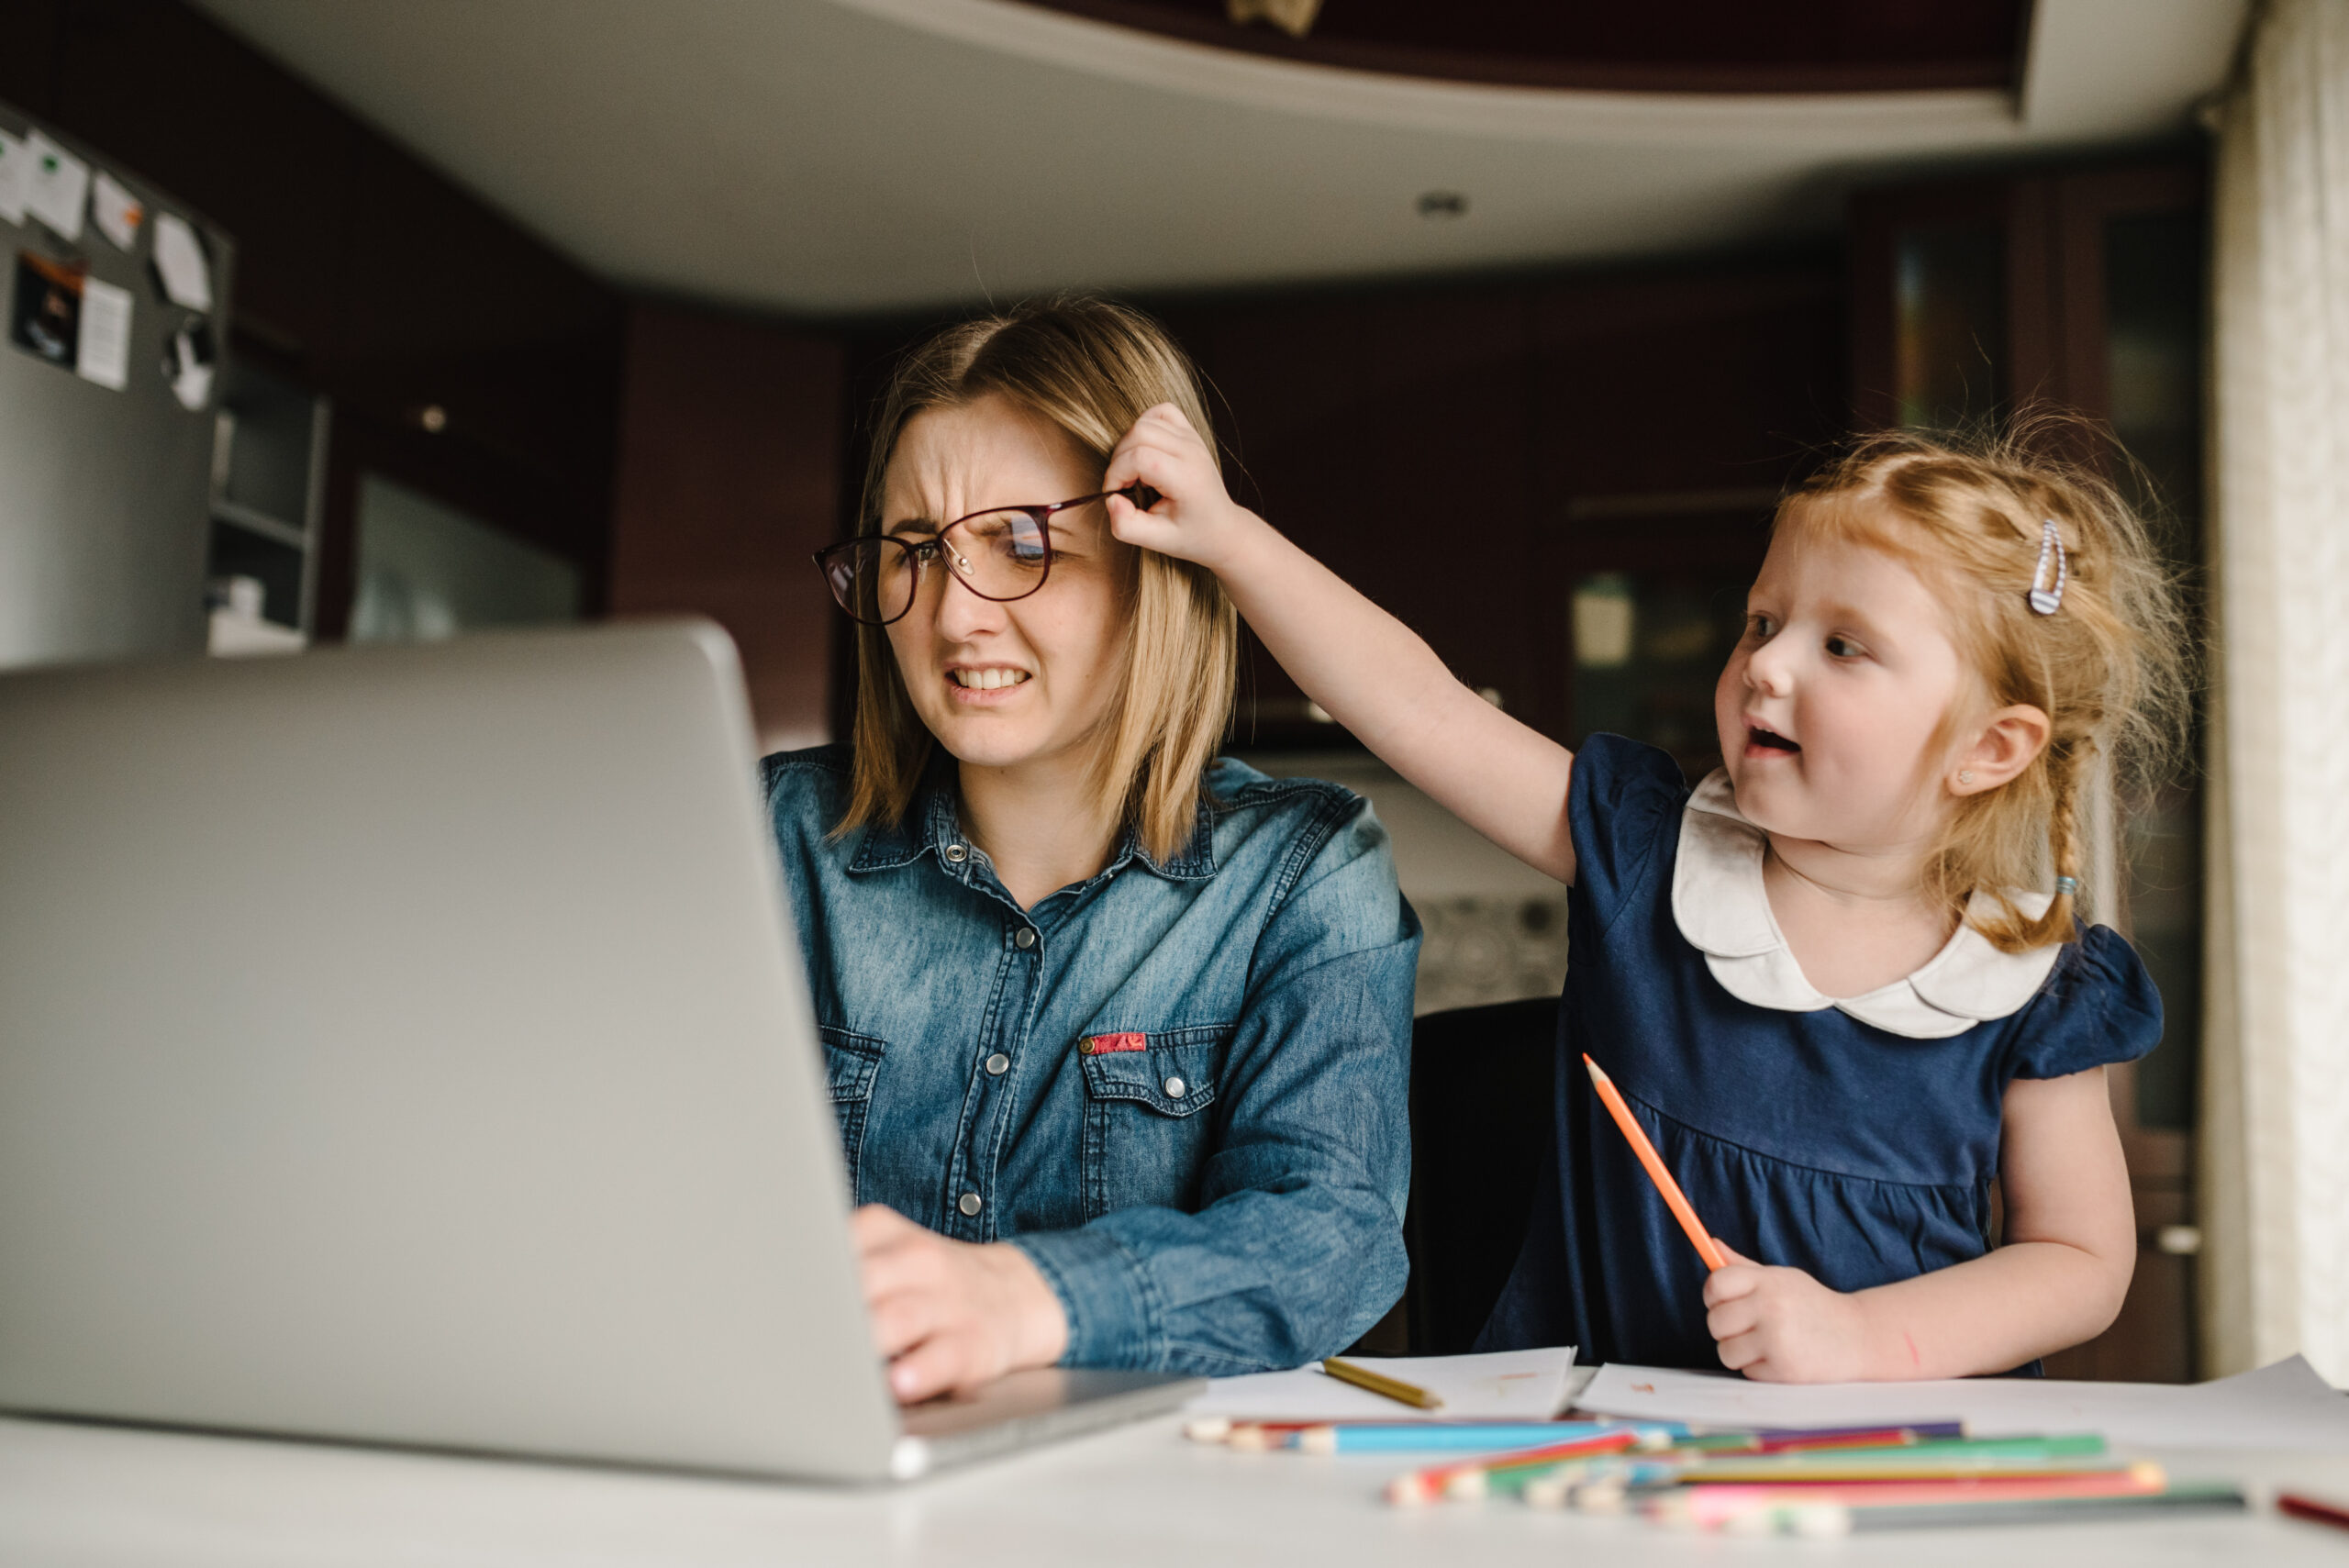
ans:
(1394, 1388)
(1954, 1457)
(1438, 1481)
(1706, 1508)
(1674, 1199)
(1778, 1439)
(2312, 1510)
(1836, 1518)
(1432, 1437)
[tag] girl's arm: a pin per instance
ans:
(1373, 674)
(2058, 1281)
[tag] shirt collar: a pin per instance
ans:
(1722, 908)
(932, 827)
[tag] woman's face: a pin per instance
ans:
(1006, 685)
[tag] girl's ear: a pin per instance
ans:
(2007, 743)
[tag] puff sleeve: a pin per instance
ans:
(1624, 802)
(2098, 1007)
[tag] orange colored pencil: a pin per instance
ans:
(1674, 1199)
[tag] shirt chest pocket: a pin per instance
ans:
(851, 1062)
(1147, 1135)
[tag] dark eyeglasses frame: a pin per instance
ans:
(1142, 496)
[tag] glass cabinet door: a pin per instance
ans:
(2086, 292)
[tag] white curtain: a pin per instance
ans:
(2276, 1116)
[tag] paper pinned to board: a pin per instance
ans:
(2285, 1407)
(57, 187)
(181, 263)
(118, 212)
(1504, 1386)
(16, 178)
(103, 352)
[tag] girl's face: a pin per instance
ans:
(1834, 695)
(1004, 685)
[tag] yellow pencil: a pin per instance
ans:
(1394, 1388)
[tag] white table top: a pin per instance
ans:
(89, 1496)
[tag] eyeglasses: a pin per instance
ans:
(1002, 554)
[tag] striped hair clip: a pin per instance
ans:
(2047, 597)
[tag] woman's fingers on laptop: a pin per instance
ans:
(951, 1315)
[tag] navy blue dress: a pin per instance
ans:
(1803, 1135)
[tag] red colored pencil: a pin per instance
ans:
(1425, 1485)
(2309, 1508)
(1674, 1199)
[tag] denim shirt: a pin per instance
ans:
(1179, 1086)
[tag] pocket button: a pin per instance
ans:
(1177, 1088)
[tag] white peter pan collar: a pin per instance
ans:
(1721, 906)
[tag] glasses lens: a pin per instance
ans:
(873, 579)
(1001, 554)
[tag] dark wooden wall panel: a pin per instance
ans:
(1439, 448)
(27, 63)
(257, 151)
(729, 478)
(1388, 436)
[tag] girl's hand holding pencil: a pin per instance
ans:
(1778, 1324)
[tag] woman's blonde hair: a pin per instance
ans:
(1090, 368)
(2108, 668)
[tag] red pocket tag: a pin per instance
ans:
(1102, 1045)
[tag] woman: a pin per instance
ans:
(1118, 1033)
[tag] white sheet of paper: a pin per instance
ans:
(180, 262)
(58, 188)
(16, 178)
(118, 211)
(2284, 1406)
(103, 354)
(1505, 1385)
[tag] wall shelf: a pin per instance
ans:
(262, 523)
(267, 505)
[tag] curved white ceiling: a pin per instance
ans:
(824, 156)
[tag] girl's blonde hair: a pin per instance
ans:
(2108, 667)
(1090, 368)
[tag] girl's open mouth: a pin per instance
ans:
(1762, 741)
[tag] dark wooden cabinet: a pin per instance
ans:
(729, 480)
(1391, 437)
(2083, 292)
(1465, 456)
(1670, 413)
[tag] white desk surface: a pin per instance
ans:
(82, 1496)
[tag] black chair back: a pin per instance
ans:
(1481, 1084)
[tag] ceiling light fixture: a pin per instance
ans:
(1442, 204)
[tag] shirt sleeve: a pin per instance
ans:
(1296, 1245)
(1624, 799)
(2098, 1008)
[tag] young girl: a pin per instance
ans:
(1833, 981)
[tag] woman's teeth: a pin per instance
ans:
(985, 680)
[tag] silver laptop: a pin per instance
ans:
(409, 1045)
